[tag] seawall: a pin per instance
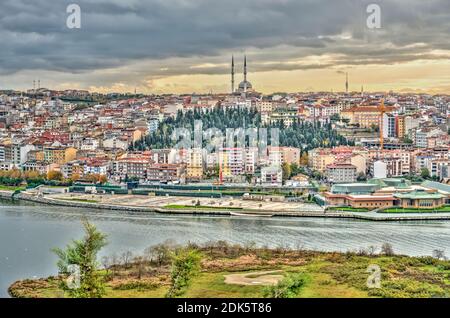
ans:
(101, 206)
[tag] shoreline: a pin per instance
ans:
(366, 216)
(235, 271)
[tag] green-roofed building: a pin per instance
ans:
(398, 183)
(420, 199)
(370, 186)
(442, 188)
(354, 188)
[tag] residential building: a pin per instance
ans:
(272, 176)
(341, 173)
(59, 155)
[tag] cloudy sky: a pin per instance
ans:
(184, 46)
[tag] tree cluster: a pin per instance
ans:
(301, 134)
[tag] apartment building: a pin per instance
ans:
(232, 161)
(72, 168)
(320, 158)
(424, 135)
(341, 173)
(95, 166)
(272, 176)
(264, 106)
(59, 155)
(195, 164)
(15, 153)
(165, 173)
(131, 167)
(280, 155)
(42, 167)
(364, 116)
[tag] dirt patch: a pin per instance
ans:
(255, 278)
(248, 262)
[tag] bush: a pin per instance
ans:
(288, 287)
(137, 285)
(387, 249)
(185, 265)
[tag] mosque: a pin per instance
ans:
(245, 86)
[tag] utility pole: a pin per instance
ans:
(382, 112)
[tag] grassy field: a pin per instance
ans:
(11, 188)
(327, 275)
(412, 210)
(200, 207)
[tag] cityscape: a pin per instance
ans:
(251, 187)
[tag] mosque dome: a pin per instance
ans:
(245, 85)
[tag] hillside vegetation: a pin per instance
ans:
(233, 271)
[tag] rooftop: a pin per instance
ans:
(441, 187)
(419, 195)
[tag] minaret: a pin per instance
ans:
(245, 74)
(232, 74)
(245, 68)
(346, 83)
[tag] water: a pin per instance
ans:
(28, 232)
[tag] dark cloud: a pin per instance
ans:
(115, 33)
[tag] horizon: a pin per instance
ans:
(350, 93)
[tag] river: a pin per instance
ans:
(28, 232)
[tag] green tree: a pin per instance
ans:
(408, 140)
(425, 173)
(83, 255)
(286, 171)
(295, 169)
(185, 265)
(374, 128)
(361, 177)
(335, 117)
(288, 287)
(300, 134)
(161, 253)
(54, 175)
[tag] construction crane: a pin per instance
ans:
(382, 112)
(222, 162)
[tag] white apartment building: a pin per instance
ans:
(264, 106)
(341, 173)
(272, 176)
(232, 160)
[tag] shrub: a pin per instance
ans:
(387, 249)
(185, 265)
(289, 287)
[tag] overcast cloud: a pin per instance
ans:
(138, 40)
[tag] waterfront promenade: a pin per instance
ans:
(210, 206)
